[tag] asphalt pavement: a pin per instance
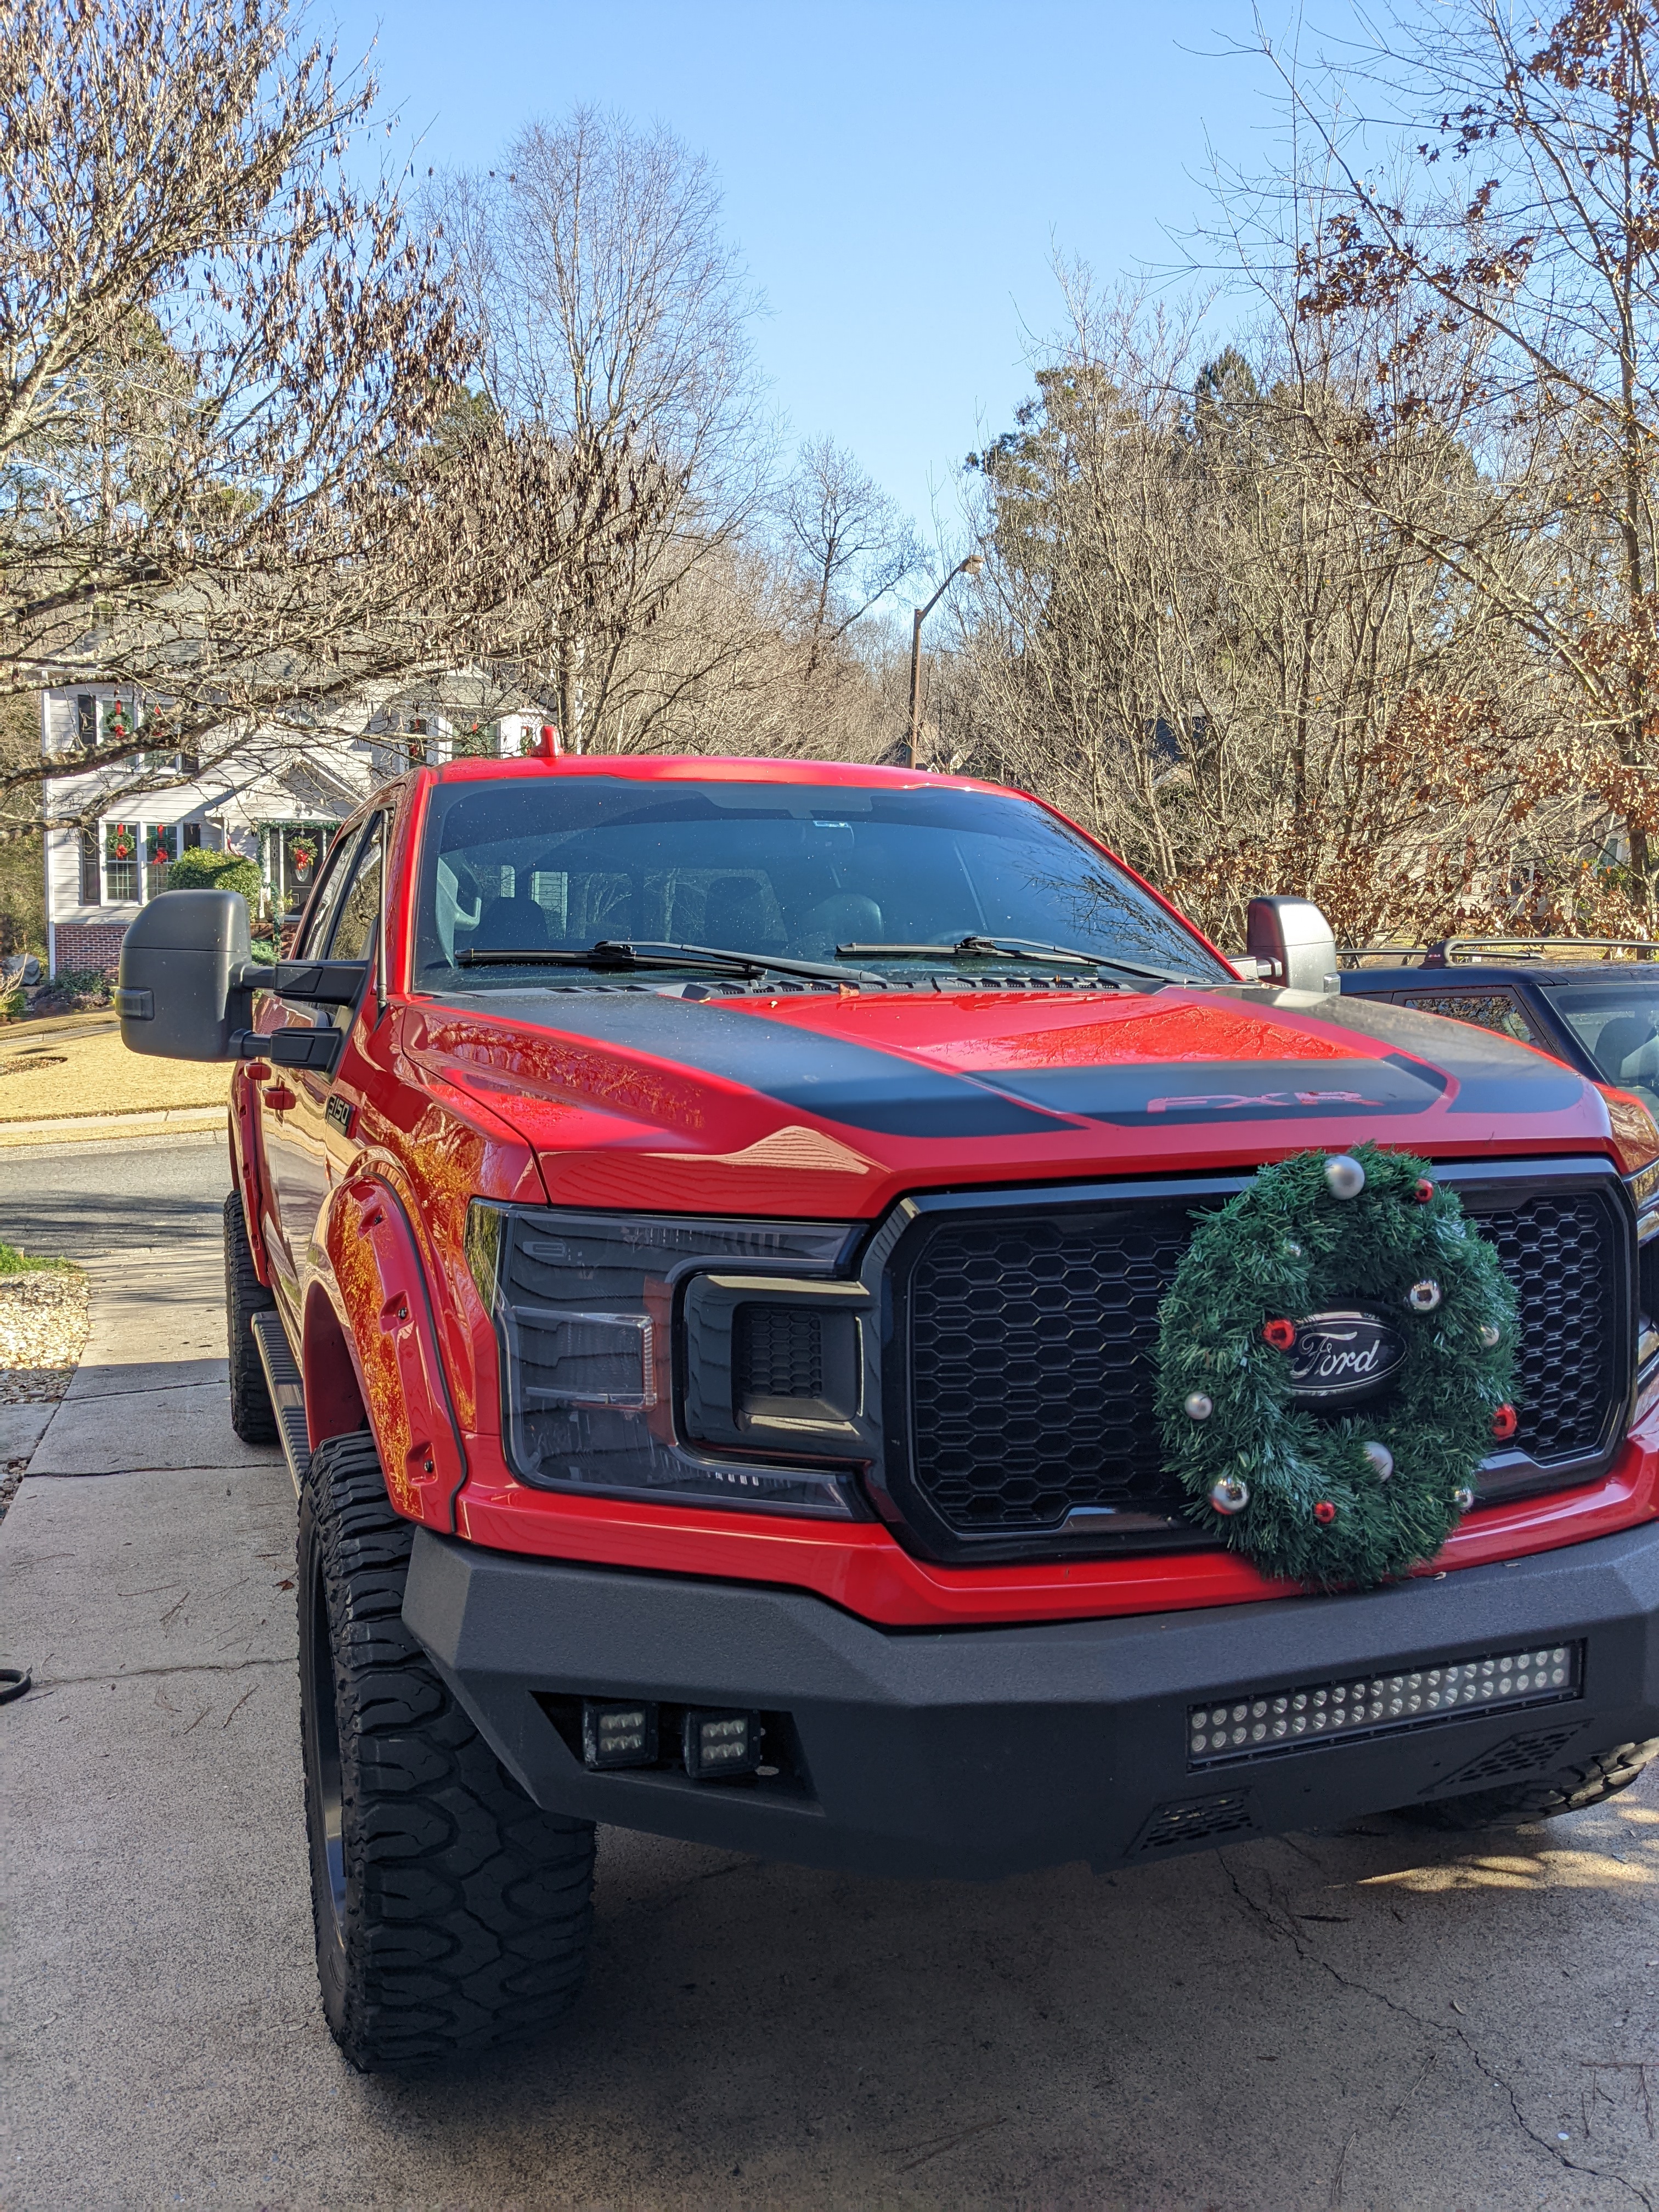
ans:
(1376, 2018)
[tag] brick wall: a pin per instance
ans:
(89, 945)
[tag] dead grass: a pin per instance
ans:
(66, 1072)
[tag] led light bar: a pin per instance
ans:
(1262, 1723)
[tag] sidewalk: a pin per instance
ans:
(108, 1128)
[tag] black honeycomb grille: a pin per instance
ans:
(777, 1354)
(1558, 1253)
(1032, 1340)
(1032, 1384)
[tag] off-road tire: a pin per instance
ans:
(252, 1414)
(1519, 1804)
(451, 1913)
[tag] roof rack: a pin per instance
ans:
(1449, 950)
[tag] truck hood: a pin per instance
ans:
(831, 1105)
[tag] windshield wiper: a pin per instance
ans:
(611, 953)
(1011, 948)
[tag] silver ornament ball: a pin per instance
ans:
(1198, 1407)
(1228, 1495)
(1462, 1500)
(1293, 1250)
(1424, 1297)
(1382, 1460)
(1344, 1175)
(1490, 1333)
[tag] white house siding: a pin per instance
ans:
(247, 806)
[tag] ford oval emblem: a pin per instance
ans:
(1343, 1358)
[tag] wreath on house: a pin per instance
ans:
(1335, 1359)
(303, 853)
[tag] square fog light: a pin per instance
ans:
(617, 1734)
(719, 1744)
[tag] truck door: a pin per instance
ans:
(296, 1099)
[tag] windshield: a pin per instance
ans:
(1617, 1025)
(793, 871)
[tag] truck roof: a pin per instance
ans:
(703, 768)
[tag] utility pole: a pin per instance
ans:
(971, 566)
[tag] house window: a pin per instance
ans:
(121, 724)
(91, 891)
(121, 841)
(86, 721)
(161, 850)
(193, 836)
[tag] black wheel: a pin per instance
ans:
(1519, 1804)
(252, 1414)
(450, 1913)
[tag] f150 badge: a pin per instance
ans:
(1343, 1358)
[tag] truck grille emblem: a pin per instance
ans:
(1341, 1359)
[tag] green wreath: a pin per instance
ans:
(1317, 1254)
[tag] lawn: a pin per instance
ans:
(57, 1073)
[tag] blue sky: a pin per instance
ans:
(897, 176)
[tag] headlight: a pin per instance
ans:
(586, 1307)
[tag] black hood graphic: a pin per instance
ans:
(862, 1086)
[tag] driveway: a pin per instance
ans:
(1374, 2019)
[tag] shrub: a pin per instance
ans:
(75, 990)
(200, 870)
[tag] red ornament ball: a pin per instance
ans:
(1324, 1513)
(1281, 1335)
(1504, 1423)
(1424, 1191)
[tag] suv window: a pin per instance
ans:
(360, 909)
(1617, 1023)
(1487, 1010)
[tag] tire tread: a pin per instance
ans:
(253, 1416)
(1518, 1804)
(468, 1908)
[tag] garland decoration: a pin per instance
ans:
(1335, 1359)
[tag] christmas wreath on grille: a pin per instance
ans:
(1335, 1359)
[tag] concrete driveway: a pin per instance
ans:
(1368, 2020)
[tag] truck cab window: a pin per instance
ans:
(360, 909)
(324, 900)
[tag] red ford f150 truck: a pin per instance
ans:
(699, 1230)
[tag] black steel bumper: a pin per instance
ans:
(983, 1751)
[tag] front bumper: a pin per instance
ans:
(985, 1752)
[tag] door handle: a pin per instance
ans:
(279, 1099)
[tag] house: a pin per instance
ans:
(279, 799)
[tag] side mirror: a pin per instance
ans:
(186, 976)
(1293, 944)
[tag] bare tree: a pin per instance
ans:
(238, 473)
(612, 315)
(1202, 638)
(1491, 179)
(849, 541)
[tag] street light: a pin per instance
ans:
(971, 566)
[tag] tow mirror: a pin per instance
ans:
(186, 977)
(1293, 945)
